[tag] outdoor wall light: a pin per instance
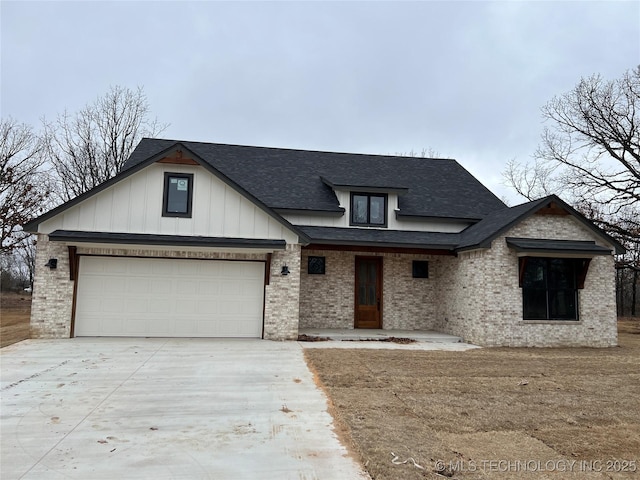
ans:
(52, 263)
(285, 270)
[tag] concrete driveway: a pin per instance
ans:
(165, 408)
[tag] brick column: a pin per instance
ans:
(52, 300)
(282, 296)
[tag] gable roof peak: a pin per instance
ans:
(481, 234)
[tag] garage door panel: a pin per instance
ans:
(159, 306)
(187, 287)
(169, 297)
(111, 327)
(205, 289)
(207, 307)
(140, 286)
(111, 309)
(185, 326)
(160, 287)
(186, 307)
(135, 327)
(137, 306)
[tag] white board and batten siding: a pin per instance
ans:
(134, 205)
(160, 297)
(344, 198)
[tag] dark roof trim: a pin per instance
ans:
(419, 218)
(312, 213)
(33, 225)
(164, 240)
(573, 247)
(424, 246)
(414, 250)
(534, 207)
(352, 187)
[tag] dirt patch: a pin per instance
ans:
(303, 337)
(488, 413)
(15, 312)
(400, 340)
(629, 325)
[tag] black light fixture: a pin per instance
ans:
(52, 263)
(285, 270)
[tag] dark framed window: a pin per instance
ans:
(369, 209)
(316, 265)
(420, 269)
(550, 287)
(178, 195)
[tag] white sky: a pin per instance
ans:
(466, 79)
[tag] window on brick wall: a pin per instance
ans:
(316, 265)
(420, 269)
(550, 287)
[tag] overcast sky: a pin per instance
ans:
(466, 79)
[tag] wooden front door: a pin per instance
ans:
(368, 302)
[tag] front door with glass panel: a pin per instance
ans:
(368, 292)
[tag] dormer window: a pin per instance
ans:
(177, 195)
(369, 209)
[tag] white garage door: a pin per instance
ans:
(154, 297)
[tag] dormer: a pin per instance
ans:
(365, 205)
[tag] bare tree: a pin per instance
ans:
(424, 153)
(595, 137)
(91, 146)
(26, 253)
(16, 274)
(24, 186)
(590, 152)
(531, 181)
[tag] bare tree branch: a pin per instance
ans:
(590, 152)
(24, 185)
(91, 146)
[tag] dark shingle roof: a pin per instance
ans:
(291, 179)
(537, 245)
(377, 237)
(481, 234)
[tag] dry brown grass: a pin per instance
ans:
(489, 405)
(15, 310)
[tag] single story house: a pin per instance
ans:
(210, 240)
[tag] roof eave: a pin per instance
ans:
(311, 212)
(75, 236)
(448, 248)
(364, 188)
(421, 218)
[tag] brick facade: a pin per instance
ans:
(474, 295)
(480, 300)
(282, 296)
(52, 300)
(327, 301)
